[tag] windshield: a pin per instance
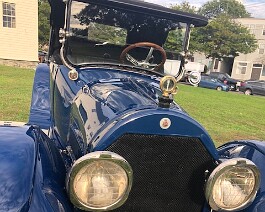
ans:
(227, 75)
(100, 33)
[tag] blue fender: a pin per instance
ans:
(32, 171)
(40, 102)
(254, 151)
(17, 164)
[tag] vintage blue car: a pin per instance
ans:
(104, 133)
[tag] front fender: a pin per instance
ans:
(17, 164)
(40, 102)
(254, 151)
(32, 171)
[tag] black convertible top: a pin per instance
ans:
(137, 6)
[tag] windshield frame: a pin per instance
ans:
(66, 33)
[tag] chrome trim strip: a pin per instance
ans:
(12, 123)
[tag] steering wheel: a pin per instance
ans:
(144, 63)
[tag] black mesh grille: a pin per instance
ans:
(169, 172)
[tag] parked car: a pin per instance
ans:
(253, 87)
(226, 79)
(116, 140)
(209, 82)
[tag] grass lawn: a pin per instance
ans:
(15, 93)
(226, 115)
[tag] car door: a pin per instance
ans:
(257, 88)
(205, 82)
(263, 88)
(211, 82)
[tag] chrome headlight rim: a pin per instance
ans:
(220, 170)
(89, 159)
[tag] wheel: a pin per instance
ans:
(145, 63)
(194, 78)
(219, 88)
(248, 92)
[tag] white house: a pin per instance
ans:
(244, 66)
(252, 66)
(19, 32)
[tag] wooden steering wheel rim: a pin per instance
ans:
(141, 44)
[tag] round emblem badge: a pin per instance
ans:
(165, 123)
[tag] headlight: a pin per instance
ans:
(232, 185)
(99, 181)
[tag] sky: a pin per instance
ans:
(255, 7)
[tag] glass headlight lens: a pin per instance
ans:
(233, 185)
(99, 181)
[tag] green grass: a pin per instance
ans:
(226, 116)
(15, 93)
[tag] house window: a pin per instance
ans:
(9, 15)
(256, 70)
(216, 64)
(259, 26)
(241, 68)
(257, 65)
(261, 48)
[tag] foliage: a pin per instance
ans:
(231, 8)
(185, 7)
(175, 38)
(174, 41)
(223, 37)
(44, 22)
(90, 25)
(101, 33)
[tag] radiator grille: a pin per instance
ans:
(168, 172)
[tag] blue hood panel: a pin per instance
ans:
(124, 95)
(17, 162)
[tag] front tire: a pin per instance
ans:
(219, 88)
(248, 92)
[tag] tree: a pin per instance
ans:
(223, 37)
(185, 7)
(231, 8)
(44, 22)
(174, 41)
(175, 38)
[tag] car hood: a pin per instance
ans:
(124, 95)
(17, 162)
